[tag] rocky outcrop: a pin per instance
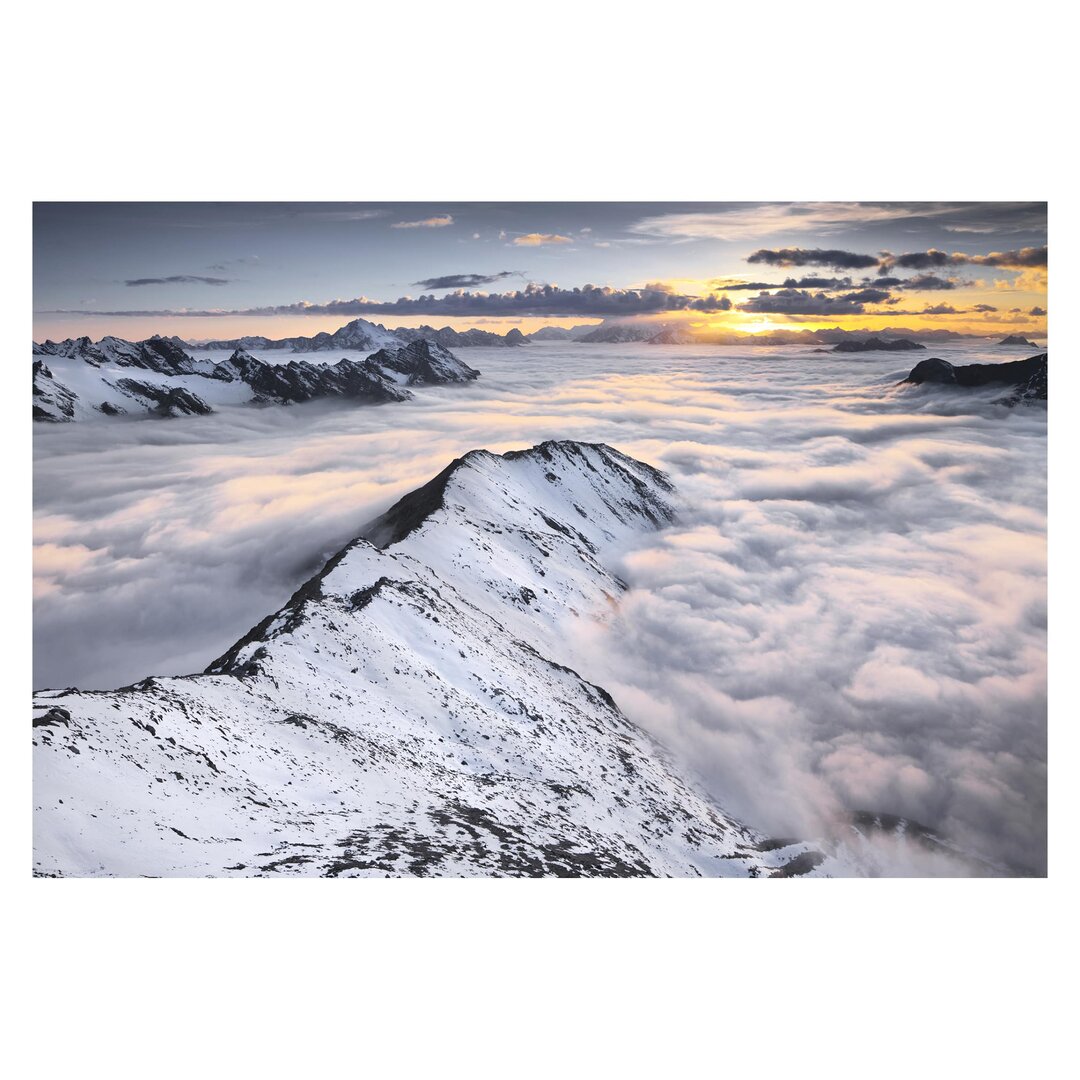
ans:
(876, 344)
(424, 363)
(299, 380)
(166, 356)
(158, 399)
(53, 401)
(1028, 377)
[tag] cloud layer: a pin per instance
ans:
(539, 239)
(465, 281)
(802, 297)
(438, 221)
(176, 279)
(1022, 259)
(851, 612)
(534, 299)
(837, 260)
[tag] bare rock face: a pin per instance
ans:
(52, 400)
(933, 370)
(162, 400)
(1027, 376)
(425, 363)
(876, 344)
(300, 380)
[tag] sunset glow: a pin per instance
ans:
(224, 270)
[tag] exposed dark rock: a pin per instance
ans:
(412, 510)
(53, 717)
(381, 377)
(424, 363)
(165, 400)
(801, 864)
(300, 380)
(876, 344)
(53, 401)
(1028, 376)
(934, 370)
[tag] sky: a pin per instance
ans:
(206, 270)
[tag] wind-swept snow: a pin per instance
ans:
(410, 711)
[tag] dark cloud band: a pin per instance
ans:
(838, 260)
(804, 302)
(465, 281)
(177, 279)
(1023, 259)
(539, 300)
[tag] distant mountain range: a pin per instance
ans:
(620, 333)
(561, 333)
(78, 379)
(362, 336)
(458, 339)
(658, 333)
(876, 344)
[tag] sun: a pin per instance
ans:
(761, 326)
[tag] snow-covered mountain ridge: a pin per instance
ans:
(409, 711)
(82, 379)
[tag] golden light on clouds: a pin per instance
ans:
(539, 239)
(974, 268)
(440, 221)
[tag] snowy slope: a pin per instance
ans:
(80, 379)
(407, 712)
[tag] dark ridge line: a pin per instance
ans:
(310, 590)
(1012, 372)
(403, 518)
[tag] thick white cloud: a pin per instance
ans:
(851, 612)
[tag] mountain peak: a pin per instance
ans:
(408, 712)
(587, 476)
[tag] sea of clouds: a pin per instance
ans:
(851, 612)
